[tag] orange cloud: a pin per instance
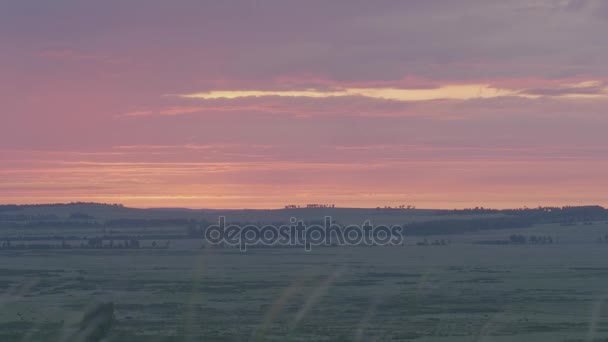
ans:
(447, 92)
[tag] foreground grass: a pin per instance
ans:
(460, 292)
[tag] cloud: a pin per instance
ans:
(434, 95)
(138, 113)
(458, 92)
(298, 106)
(584, 89)
(447, 92)
(531, 98)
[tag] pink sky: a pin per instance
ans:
(245, 104)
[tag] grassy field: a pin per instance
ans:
(463, 291)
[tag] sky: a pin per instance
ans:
(259, 104)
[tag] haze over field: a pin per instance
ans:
(258, 104)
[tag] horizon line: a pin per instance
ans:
(303, 207)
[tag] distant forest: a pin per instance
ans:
(13, 216)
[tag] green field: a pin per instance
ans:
(463, 291)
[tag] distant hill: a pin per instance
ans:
(104, 212)
(344, 215)
(78, 221)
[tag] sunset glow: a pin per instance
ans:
(214, 105)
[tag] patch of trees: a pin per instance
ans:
(98, 243)
(320, 205)
(8, 244)
(441, 227)
(492, 242)
(564, 214)
(567, 215)
(87, 243)
(82, 221)
(101, 243)
(436, 242)
(533, 239)
(311, 205)
(399, 207)
(540, 239)
(476, 210)
(103, 237)
(519, 239)
(518, 218)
